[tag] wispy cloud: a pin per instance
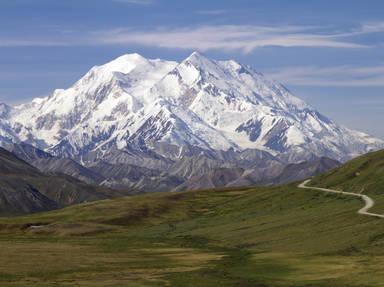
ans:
(229, 37)
(338, 76)
(372, 27)
(245, 38)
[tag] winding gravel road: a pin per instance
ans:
(368, 201)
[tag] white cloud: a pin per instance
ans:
(245, 38)
(342, 76)
(228, 37)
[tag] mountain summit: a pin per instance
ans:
(134, 108)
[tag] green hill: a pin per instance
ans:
(364, 174)
(277, 236)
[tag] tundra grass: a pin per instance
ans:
(364, 174)
(278, 236)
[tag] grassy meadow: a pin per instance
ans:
(276, 236)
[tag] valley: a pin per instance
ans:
(265, 236)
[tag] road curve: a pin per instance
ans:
(368, 201)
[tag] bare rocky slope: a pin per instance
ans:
(24, 189)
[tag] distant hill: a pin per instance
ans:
(273, 175)
(50, 164)
(302, 170)
(190, 173)
(24, 189)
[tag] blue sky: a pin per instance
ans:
(329, 53)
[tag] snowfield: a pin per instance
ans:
(140, 105)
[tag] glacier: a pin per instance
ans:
(153, 113)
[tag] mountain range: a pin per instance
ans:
(152, 124)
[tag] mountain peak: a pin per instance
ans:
(132, 57)
(213, 105)
(125, 63)
(196, 54)
(196, 57)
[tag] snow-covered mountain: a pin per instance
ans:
(153, 112)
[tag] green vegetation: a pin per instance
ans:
(281, 236)
(364, 174)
